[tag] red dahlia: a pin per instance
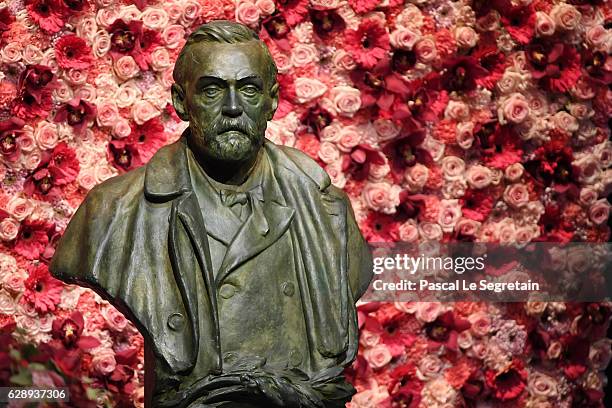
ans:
(46, 14)
(369, 43)
(72, 51)
(508, 384)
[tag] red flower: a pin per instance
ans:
(46, 14)
(369, 43)
(326, 23)
(462, 73)
(599, 66)
(294, 11)
(34, 79)
(77, 113)
(491, 59)
(10, 130)
(33, 238)
(132, 39)
(380, 228)
(556, 65)
(30, 105)
(42, 290)
(69, 330)
(363, 6)
(445, 328)
(360, 159)
(518, 21)
(476, 204)
(404, 152)
(147, 139)
(57, 168)
(72, 51)
(508, 384)
(6, 19)
(7, 325)
(405, 387)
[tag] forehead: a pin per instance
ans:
(226, 61)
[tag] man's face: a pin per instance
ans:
(227, 99)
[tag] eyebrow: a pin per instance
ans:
(206, 79)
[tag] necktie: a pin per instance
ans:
(229, 198)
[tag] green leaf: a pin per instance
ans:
(22, 378)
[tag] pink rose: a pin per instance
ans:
(26, 141)
(453, 168)
(542, 385)
(32, 160)
(457, 110)
(326, 4)
(545, 25)
(328, 152)
(467, 227)
(598, 37)
(9, 228)
(266, 7)
(121, 128)
(101, 44)
(46, 135)
(583, 89)
(107, 113)
(307, 89)
(160, 59)
(104, 361)
(344, 60)
(430, 231)
(32, 54)
(282, 61)
(104, 172)
(107, 16)
(336, 175)
(350, 136)
(600, 354)
(514, 172)
(515, 109)
(525, 234)
(143, 111)
(554, 350)
(87, 179)
(368, 338)
(465, 339)
(580, 111)
(409, 231)
(450, 212)
(191, 12)
(385, 129)
(566, 16)
(588, 196)
(11, 53)
(478, 176)
(428, 311)
(403, 38)
(382, 197)
(114, 319)
(599, 211)
(378, 171)
(480, 323)
(7, 303)
(516, 195)
(173, 36)
(126, 67)
(425, 50)
(416, 177)
(465, 136)
(466, 37)
(377, 356)
(247, 13)
(154, 18)
(20, 208)
(127, 94)
(564, 121)
(303, 54)
(346, 100)
(430, 366)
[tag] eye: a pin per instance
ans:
(211, 91)
(249, 90)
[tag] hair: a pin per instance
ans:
(222, 31)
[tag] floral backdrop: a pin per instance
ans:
(443, 120)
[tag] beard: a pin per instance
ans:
(226, 139)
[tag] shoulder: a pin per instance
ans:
(117, 190)
(300, 164)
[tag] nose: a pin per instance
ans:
(231, 106)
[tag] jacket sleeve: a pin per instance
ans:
(359, 255)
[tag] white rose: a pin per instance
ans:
(307, 89)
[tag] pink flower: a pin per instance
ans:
(42, 290)
(515, 109)
(378, 356)
(72, 51)
(369, 43)
(46, 13)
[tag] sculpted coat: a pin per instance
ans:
(278, 296)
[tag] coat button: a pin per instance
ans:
(227, 291)
(288, 288)
(295, 358)
(176, 321)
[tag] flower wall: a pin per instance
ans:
(443, 120)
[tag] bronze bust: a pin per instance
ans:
(236, 258)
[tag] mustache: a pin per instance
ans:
(241, 125)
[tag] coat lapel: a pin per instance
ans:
(251, 239)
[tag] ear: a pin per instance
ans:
(274, 96)
(178, 100)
